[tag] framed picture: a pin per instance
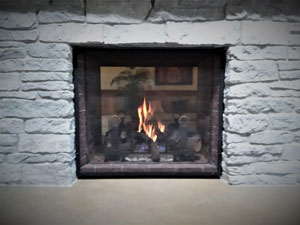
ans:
(174, 75)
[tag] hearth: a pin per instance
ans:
(148, 112)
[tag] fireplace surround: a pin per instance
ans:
(260, 136)
(190, 112)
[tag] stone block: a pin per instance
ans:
(247, 90)
(242, 149)
(261, 179)
(285, 93)
(47, 86)
(284, 121)
(8, 139)
(289, 65)
(264, 33)
(13, 126)
(286, 85)
(8, 149)
(16, 158)
(245, 123)
(46, 76)
(117, 11)
(57, 95)
(271, 137)
(41, 125)
(294, 39)
(60, 16)
(246, 159)
(18, 94)
(38, 108)
(250, 71)
(289, 75)
(10, 173)
(276, 167)
(127, 34)
(209, 33)
(49, 174)
(46, 143)
(233, 138)
(2, 158)
(291, 152)
(11, 53)
(18, 35)
(55, 51)
(11, 44)
(262, 105)
(72, 33)
(294, 52)
(9, 81)
(258, 52)
(9, 20)
(20, 65)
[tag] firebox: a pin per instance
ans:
(148, 111)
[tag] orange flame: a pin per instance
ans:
(144, 117)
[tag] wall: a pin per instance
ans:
(262, 81)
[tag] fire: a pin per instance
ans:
(145, 114)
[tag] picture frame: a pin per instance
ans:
(173, 75)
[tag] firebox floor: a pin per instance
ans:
(150, 202)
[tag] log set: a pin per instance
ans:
(123, 140)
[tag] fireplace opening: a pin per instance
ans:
(148, 112)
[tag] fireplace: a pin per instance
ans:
(148, 111)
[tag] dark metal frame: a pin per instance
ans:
(82, 56)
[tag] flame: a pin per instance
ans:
(161, 127)
(145, 114)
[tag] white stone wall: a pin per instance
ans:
(262, 81)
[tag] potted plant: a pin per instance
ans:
(129, 84)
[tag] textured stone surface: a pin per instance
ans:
(7, 149)
(57, 94)
(284, 121)
(187, 10)
(18, 35)
(233, 138)
(45, 17)
(12, 65)
(264, 32)
(8, 139)
(9, 81)
(271, 137)
(118, 34)
(251, 71)
(18, 94)
(289, 85)
(49, 173)
(209, 33)
(258, 52)
(245, 123)
(46, 143)
(55, 51)
(262, 105)
(289, 65)
(12, 53)
(11, 126)
(117, 11)
(241, 149)
(17, 20)
(16, 158)
(46, 76)
(289, 75)
(59, 126)
(47, 86)
(246, 90)
(10, 173)
(72, 33)
(291, 152)
(38, 108)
